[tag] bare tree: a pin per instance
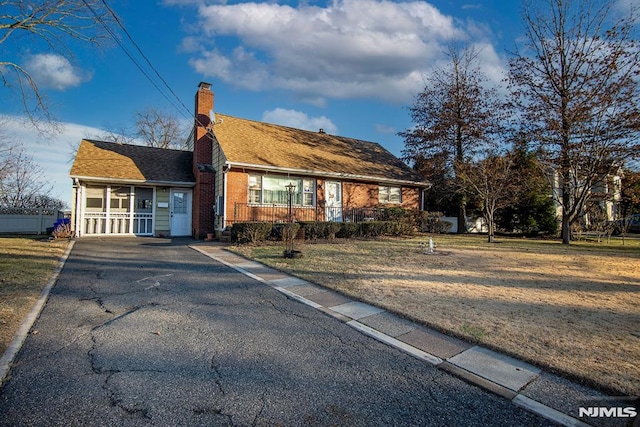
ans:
(23, 183)
(53, 22)
(120, 136)
(576, 84)
(453, 117)
(492, 181)
(159, 129)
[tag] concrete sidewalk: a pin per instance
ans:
(527, 386)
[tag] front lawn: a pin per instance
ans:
(572, 309)
(26, 265)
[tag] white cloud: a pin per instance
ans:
(349, 48)
(54, 71)
(299, 120)
(385, 129)
(54, 153)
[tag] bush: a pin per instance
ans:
(290, 231)
(372, 228)
(430, 222)
(348, 230)
(278, 231)
(250, 232)
(392, 214)
(320, 230)
(62, 231)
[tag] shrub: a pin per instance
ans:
(372, 228)
(320, 230)
(290, 230)
(348, 230)
(430, 222)
(62, 231)
(392, 214)
(250, 232)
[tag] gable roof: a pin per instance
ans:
(250, 143)
(111, 161)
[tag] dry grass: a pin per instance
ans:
(26, 264)
(574, 310)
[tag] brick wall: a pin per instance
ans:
(237, 190)
(359, 195)
(410, 198)
(203, 193)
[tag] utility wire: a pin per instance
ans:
(126, 32)
(180, 107)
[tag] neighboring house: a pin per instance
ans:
(239, 171)
(605, 194)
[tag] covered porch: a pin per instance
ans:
(115, 209)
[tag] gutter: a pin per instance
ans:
(341, 175)
(132, 181)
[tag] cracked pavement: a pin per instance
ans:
(142, 331)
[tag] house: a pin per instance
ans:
(236, 170)
(123, 189)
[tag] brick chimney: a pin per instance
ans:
(203, 193)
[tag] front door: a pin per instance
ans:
(180, 212)
(333, 195)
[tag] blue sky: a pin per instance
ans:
(351, 67)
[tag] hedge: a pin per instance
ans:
(320, 230)
(254, 232)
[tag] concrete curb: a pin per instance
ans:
(21, 334)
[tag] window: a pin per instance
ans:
(94, 202)
(389, 194)
(255, 189)
(119, 199)
(272, 190)
(308, 192)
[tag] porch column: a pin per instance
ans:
(107, 211)
(132, 205)
(153, 211)
(79, 211)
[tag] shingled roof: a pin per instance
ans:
(132, 163)
(250, 143)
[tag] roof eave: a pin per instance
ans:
(325, 174)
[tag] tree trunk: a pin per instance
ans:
(566, 223)
(491, 227)
(462, 218)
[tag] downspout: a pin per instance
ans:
(225, 170)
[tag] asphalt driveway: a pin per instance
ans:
(151, 332)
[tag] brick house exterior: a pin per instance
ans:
(336, 178)
(234, 170)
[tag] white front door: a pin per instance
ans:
(333, 196)
(180, 212)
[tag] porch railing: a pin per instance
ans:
(244, 212)
(118, 223)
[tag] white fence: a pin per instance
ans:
(474, 225)
(27, 221)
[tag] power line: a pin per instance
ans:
(180, 107)
(126, 32)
